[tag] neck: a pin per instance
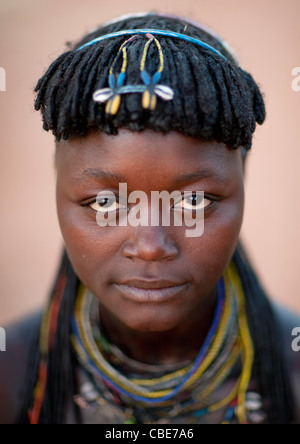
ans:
(168, 347)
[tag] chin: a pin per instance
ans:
(151, 324)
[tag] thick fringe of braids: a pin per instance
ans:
(270, 370)
(55, 369)
(214, 98)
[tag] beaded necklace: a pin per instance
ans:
(190, 391)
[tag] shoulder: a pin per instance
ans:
(13, 365)
(289, 324)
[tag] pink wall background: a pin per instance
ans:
(266, 38)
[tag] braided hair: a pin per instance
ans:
(215, 100)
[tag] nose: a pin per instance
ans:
(151, 244)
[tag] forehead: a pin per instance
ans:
(130, 153)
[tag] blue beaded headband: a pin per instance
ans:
(153, 32)
(150, 89)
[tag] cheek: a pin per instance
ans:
(224, 234)
(89, 246)
(213, 251)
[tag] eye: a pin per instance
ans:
(195, 201)
(106, 203)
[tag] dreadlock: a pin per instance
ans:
(59, 363)
(270, 369)
(215, 100)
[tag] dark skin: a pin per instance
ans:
(164, 332)
(171, 331)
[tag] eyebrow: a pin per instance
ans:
(218, 176)
(200, 174)
(98, 173)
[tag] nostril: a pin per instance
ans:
(149, 254)
(151, 248)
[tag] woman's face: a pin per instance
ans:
(149, 278)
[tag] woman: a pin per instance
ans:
(147, 323)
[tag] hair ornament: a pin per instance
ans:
(112, 95)
(153, 90)
(150, 90)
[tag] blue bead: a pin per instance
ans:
(146, 78)
(156, 77)
(112, 81)
(121, 78)
(200, 413)
(229, 414)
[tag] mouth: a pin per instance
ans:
(150, 291)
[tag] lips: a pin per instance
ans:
(154, 291)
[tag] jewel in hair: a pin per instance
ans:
(150, 90)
